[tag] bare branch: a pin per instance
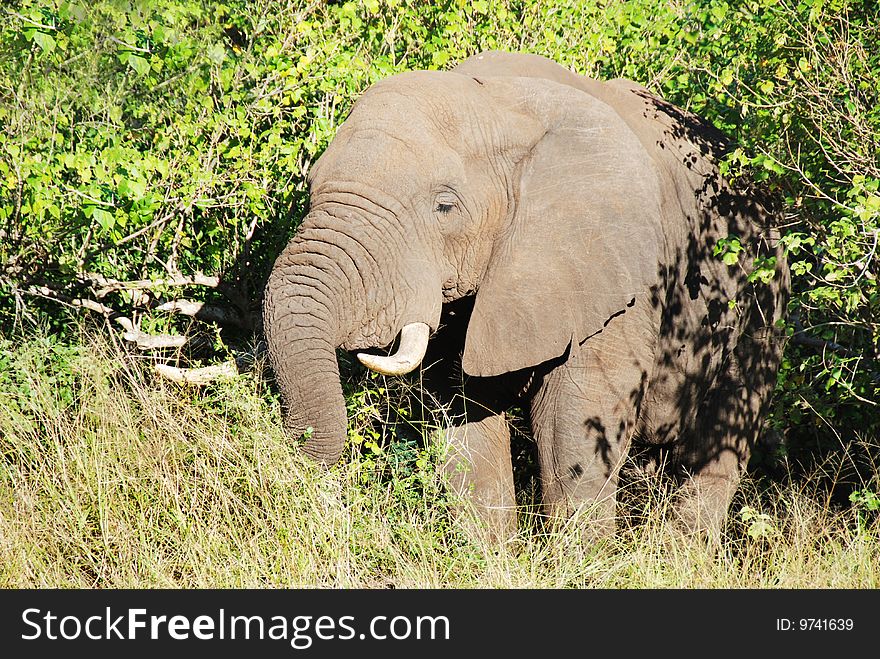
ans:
(31, 21)
(143, 230)
(87, 197)
(205, 312)
(185, 307)
(80, 303)
(154, 342)
(108, 286)
(197, 376)
(46, 292)
(130, 46)
(143, 340)
(800, 337)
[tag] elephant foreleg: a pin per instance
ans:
(582, 419)
(479, 469)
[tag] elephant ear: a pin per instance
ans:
(583, 242)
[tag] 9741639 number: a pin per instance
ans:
(814, 624)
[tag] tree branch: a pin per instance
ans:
(106, 286)
(800, 337)
(206, 312)
(197, 376)
(143, 340)
(154, 342)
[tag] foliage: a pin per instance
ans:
(144, 142)
(866, 504)
(759, 525)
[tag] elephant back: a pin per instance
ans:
(717, 328)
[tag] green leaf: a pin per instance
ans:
(132, 188)
(217, 53)
(139, 64)
(105, 219)
(45, 41)
(730, 258)
(771, 165)
(439, 58)
(760, 528)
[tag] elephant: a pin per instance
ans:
(550, 241)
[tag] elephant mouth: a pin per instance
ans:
(413, 342)
(454, 291)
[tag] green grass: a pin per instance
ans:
(112, 477)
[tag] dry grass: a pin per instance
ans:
(113, 478)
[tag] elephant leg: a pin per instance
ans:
(479, 469)
(710, 462)
(582, 418)
(705, 495)
(716, 453)
(477, 437)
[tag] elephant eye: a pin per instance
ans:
(445, 201)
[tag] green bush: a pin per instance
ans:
(156, 151)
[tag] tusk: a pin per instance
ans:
(413, 344)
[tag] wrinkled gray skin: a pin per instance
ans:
(582, 216)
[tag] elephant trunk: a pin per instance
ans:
(317, 408)
(302, 320)
(347, 279)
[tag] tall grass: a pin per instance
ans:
(111, 477)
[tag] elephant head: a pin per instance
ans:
(532, 194)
